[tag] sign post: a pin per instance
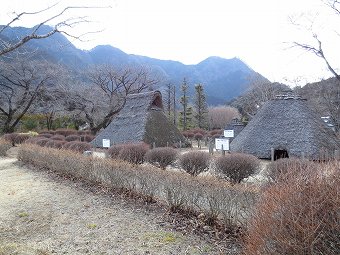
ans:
(106, 143)
(222, 144)
(228, 133)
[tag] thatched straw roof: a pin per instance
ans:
(286, 123)
(141, 119)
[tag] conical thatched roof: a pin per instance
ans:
(141, 120)
(287, 124)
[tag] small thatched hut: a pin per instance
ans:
(141, 120)
(286, 127)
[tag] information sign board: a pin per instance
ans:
(106, 143)
(228, 133)
(222, 144)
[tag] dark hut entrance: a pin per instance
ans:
(280, 153)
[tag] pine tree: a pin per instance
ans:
(184, 101)
(201, 107)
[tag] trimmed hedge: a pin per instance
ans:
(236, 166)
(194, 162)
(180, 192)
(161, 157)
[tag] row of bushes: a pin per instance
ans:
(76, 146)
(234, 167)
(298, 213)
(216, 199)
(60, 134)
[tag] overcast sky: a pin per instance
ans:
(259, 32)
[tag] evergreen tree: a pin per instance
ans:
(201, 107)
(184, 101)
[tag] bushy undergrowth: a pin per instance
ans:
(16, 138)
(282, 168)
(298, 214)
(4, 146)
(57, 137)
(114, 150)
(133, 153)
(71, 138)
(236, 166)
(194, 162)
(161, 157)
(180, 192)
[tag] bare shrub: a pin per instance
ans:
(87, 138)
(194, 162)
(161, 157)
(236, 166)
(5, 145)
(32, 140)
(133, 153)
(21, 138)
(65, 132)
(299, 214)
(198, 131)
(57, 144)
(57, 137)
(280, 168)
(114, 150)
(216, 132)
(42, 141)
(198, 136)
(46, 135)
(71, 138)
(10, 138)
(77, 146)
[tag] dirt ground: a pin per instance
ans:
(42, 215)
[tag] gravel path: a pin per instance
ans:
(43, 215)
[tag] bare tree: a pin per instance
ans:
(258, 93)
(220, 116)
(324, 97)
(21, 85)
(317, 48)
(110, 85)
(62, 25)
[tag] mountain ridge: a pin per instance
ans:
(223, 79)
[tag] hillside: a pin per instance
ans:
(223, 79)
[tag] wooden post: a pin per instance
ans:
(211, 148)
(223, 151)
(272, 154)
(153, 145)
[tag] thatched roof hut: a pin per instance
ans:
(286, 127)
(141, 120)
